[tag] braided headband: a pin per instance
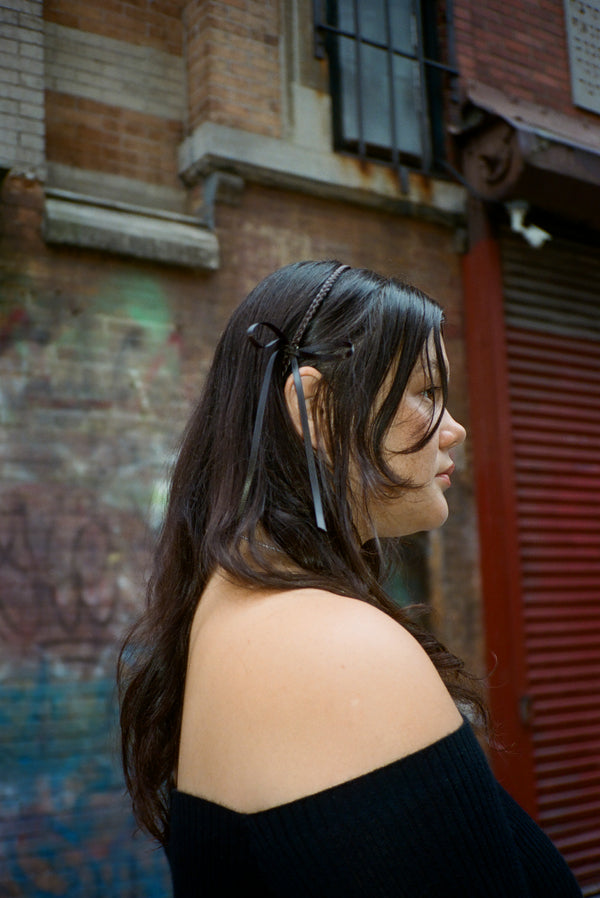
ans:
(291, 351)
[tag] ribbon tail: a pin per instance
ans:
(310, 459)
(260, 413)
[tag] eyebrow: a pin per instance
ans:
(433, 368)
(430, 367)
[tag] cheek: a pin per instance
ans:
(413, 422)
(420, 466)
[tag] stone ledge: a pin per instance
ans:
(159, 238)
(281, 163)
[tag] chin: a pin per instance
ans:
(440, 519)
(428, 522)
(443, 516)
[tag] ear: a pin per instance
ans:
(310, 378)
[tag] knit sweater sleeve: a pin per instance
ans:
(433, 824)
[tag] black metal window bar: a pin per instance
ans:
(388, 78)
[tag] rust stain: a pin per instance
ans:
(368, 171)
(423, 185)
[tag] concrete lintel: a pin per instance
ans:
(281, 163)
(130, 234)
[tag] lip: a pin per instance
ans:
(445, 475)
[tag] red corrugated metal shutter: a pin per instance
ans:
(552, 309)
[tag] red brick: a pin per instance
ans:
(148, 24)
(237, 39)
(518, 44)
(106, 138)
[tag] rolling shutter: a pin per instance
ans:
(552, 313)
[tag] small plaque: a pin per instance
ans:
(583, 41)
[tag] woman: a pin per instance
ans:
(287, 730)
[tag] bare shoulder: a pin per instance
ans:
(313, 689)
(364, 682)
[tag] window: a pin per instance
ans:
(387, 77)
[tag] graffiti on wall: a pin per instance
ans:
(66, 571)
(88, 386)
(69, 584)
(103, 345)
(65, 827)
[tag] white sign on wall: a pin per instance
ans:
(583, 41)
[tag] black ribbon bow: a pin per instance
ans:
(291, 352)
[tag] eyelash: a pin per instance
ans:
(431, 393)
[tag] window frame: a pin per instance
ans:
(432, 90)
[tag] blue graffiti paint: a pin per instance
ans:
(65, 824)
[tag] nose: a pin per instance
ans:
(451, 432)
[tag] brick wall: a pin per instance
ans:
(520, 47)
(144, 23)
(233, 54)
(21, 84)
(130, 75)
(106, 138)
(89, 357)
(115, 105)
(101, 357)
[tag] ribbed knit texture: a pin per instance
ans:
(433, 824)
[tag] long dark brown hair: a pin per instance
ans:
(389, 324)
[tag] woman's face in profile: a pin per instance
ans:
(422, 507)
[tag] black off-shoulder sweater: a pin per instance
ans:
(435, 823)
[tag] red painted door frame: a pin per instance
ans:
(496, 500)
